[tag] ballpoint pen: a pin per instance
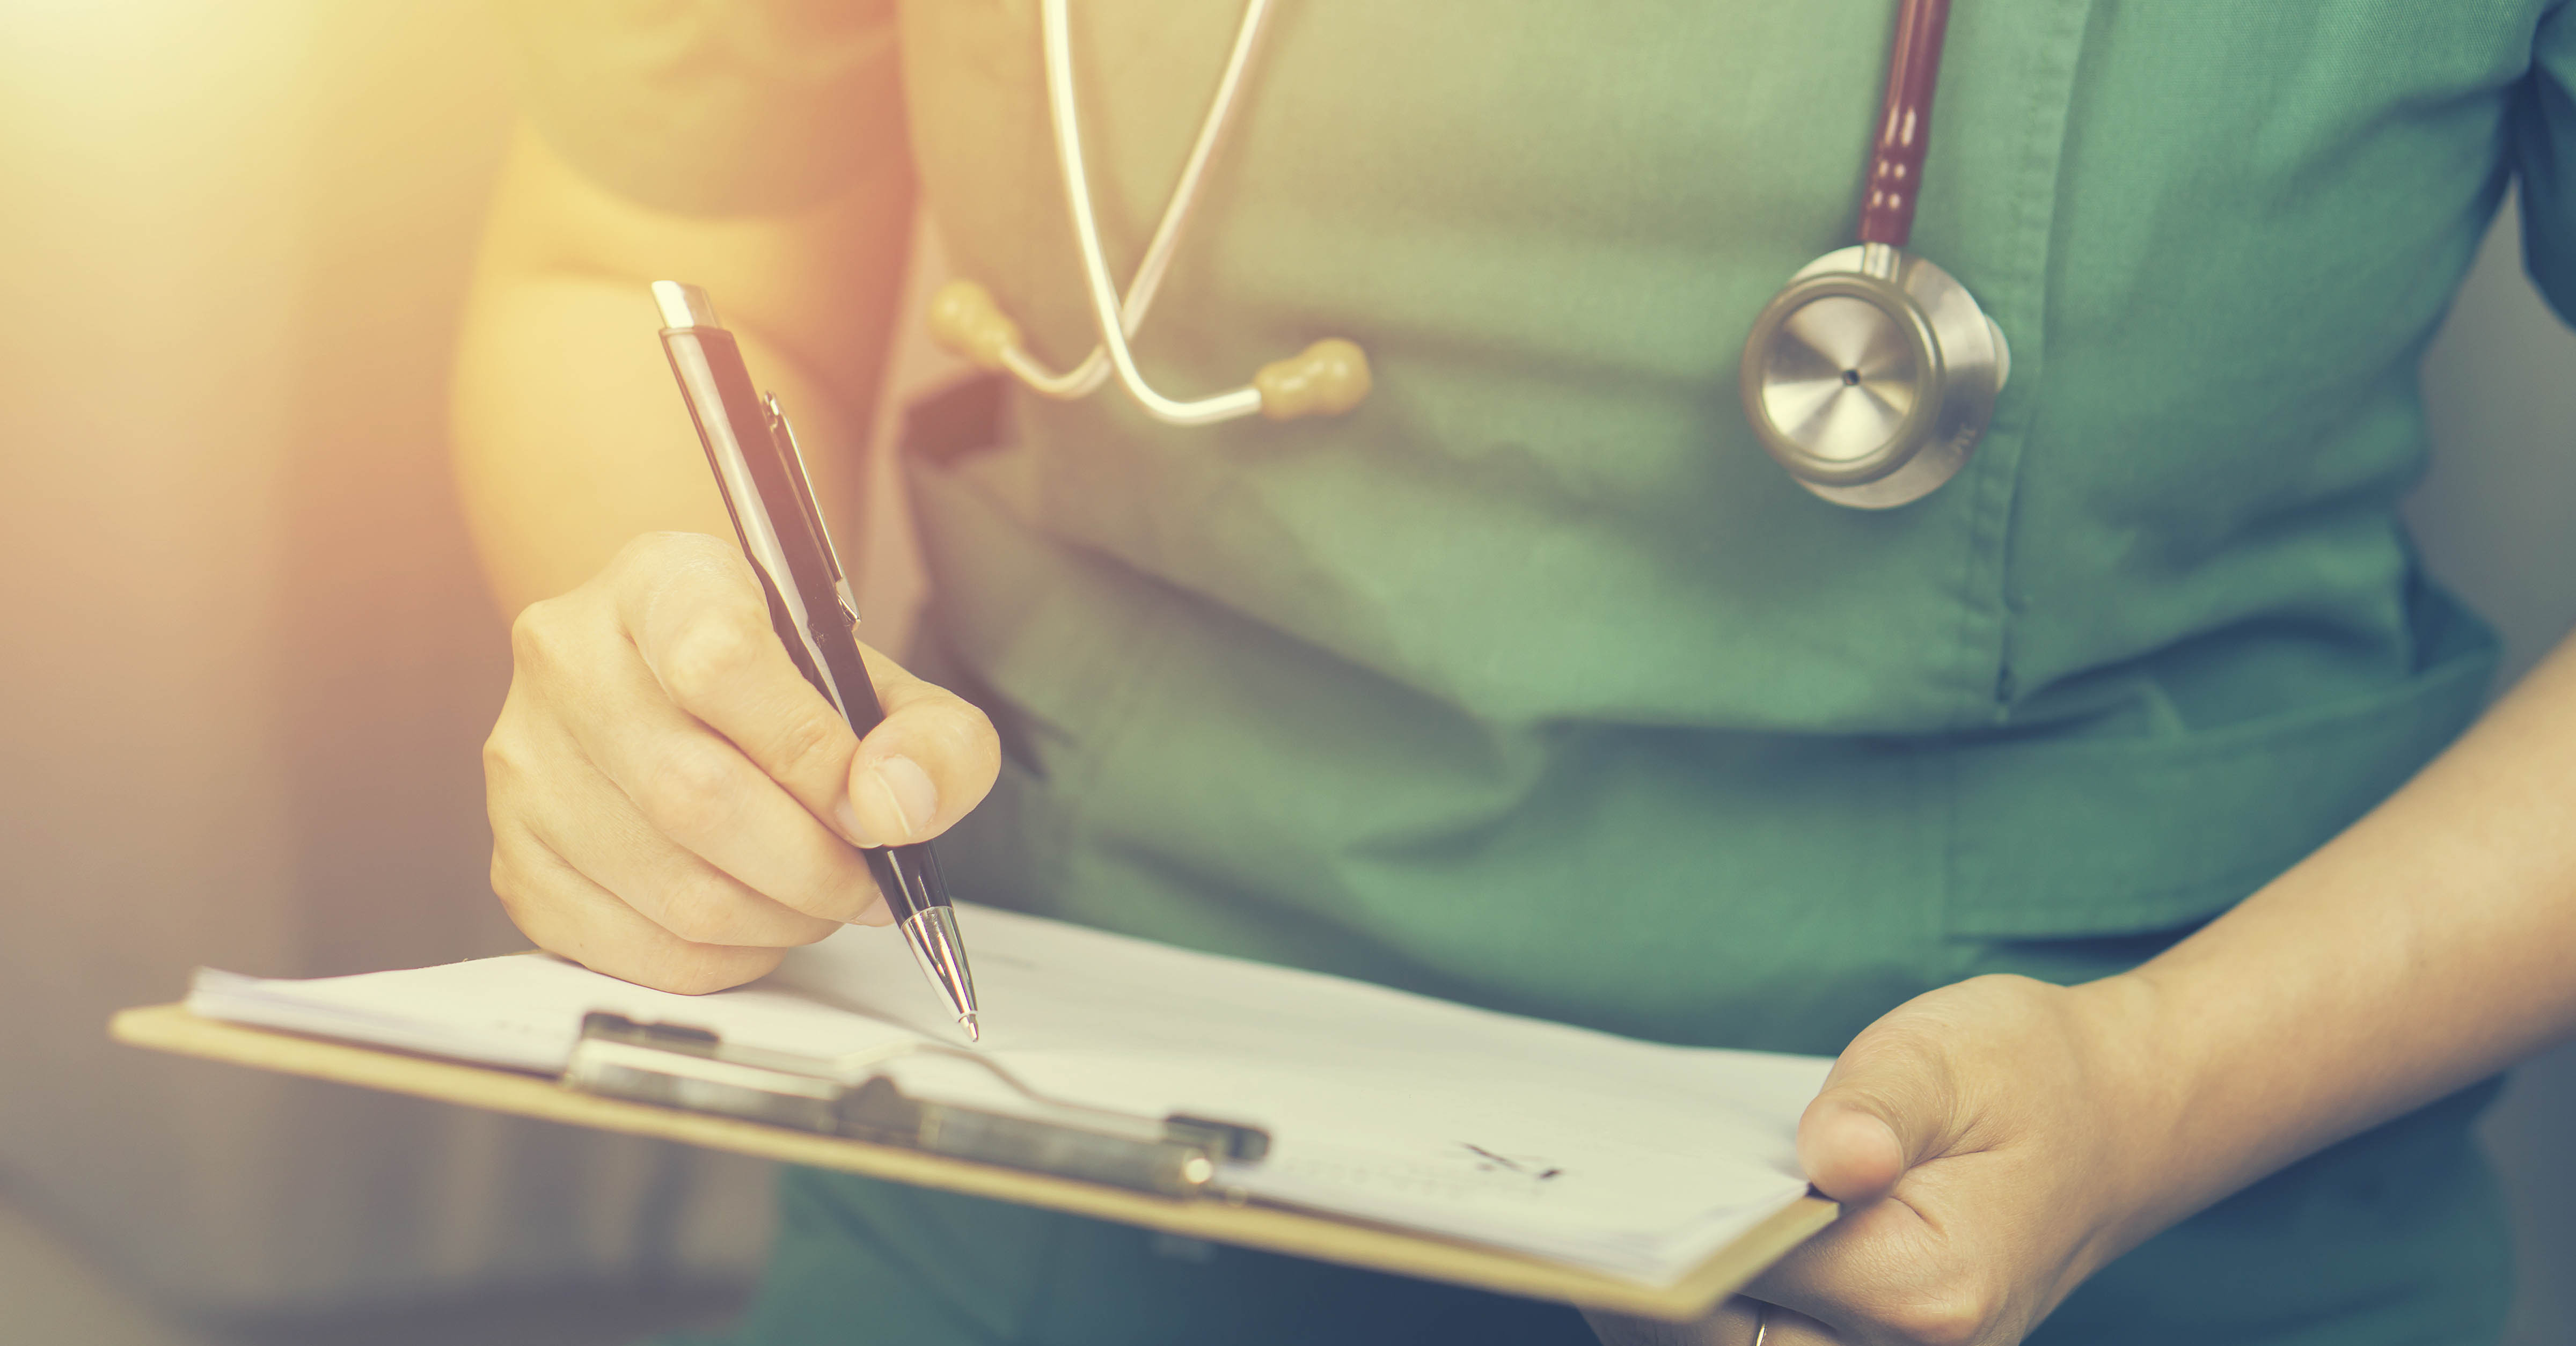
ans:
(762, 477)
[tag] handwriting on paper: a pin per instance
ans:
(1527, 1166)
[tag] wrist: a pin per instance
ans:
(2143, 1081)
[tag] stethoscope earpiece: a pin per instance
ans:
(1325, 379)
(964, 318)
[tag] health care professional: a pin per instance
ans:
(1533, 682)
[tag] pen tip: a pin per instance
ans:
(967, 1022)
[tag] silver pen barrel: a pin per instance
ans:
(757, 467)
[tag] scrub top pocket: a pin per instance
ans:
(2062, 836)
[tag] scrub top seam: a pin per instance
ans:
(1985, 609)
(1984, 588)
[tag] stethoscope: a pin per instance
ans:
(1870, 378)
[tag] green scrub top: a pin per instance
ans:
(1533, 682)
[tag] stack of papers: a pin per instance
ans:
(1632, 1158)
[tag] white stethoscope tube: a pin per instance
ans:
(1066, 112)
(1116, 320)
(1328, 377)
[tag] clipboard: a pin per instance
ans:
(1204, 1212)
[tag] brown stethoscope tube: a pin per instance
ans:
(1904, 124)
(1874, 374)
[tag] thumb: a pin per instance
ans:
(1887, 1106)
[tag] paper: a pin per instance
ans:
(1628, 1157)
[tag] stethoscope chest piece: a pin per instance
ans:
(1872, 376)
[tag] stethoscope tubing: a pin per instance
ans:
(1895, 178)
(1896, 426)
(1117, 318)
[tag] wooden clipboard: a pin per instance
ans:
(171, 1028)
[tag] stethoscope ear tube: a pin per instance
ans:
(1874, 374)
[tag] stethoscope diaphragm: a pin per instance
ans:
(1872, 376)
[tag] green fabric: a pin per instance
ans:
(859, 1261)
(1533, 683)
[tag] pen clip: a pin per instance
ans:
(783, 436)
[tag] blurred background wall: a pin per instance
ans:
(2496, 519)
(247, 664)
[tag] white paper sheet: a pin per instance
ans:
(1630, 1157)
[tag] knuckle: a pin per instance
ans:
(1904, 1039)
(505, 879)
(812, 743)
(712, 652)
(515, 754)
(701, 910)
(690, 792)
(532, 637)
(971, 727)
(516, 890)
(673, 544)
(504, 759)
(646, 553)
(639, 551)
(984, 743)
(655, 565)
(1955, 1316)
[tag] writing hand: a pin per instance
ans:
(672, 803)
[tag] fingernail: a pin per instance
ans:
(876, 914)
(898, 801)
(848, 818)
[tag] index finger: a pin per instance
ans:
(701, 624)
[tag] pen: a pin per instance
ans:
(757, 467)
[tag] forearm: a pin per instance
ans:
(569, 438)
(2430, 945)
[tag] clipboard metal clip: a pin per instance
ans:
(674, 1065)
